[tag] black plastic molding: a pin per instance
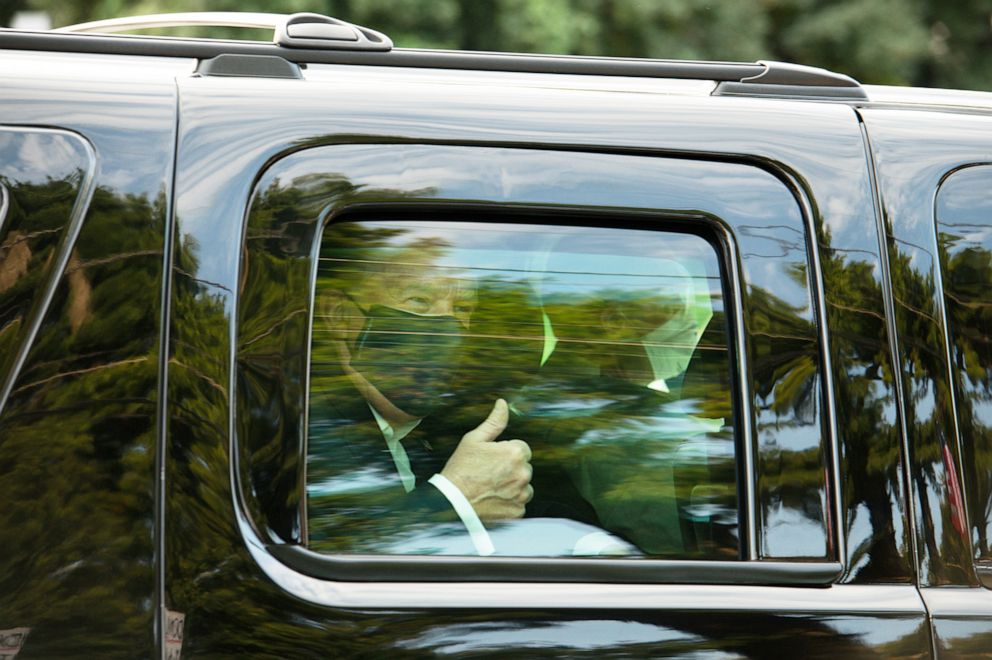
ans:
(369, 568)
(249, 66)
(794, 81)
(812, 92)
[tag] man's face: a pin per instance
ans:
(426, 291)
(413, 319)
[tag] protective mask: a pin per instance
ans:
(409, 357)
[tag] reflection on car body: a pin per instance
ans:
(730, 343)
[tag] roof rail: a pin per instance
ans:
(302, 30)
(317, 39)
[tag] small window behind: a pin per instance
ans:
(964, 224)
(603, 352)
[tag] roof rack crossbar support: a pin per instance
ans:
(784, 80)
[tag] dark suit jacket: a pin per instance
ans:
(356, 502)
(612, 452)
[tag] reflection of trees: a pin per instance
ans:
(930, 414)
(967, 273)
(231, 611)
(272, 331)
(784, 352)
(869, 441)
(211, 577)
(36, 219)
(77, 437)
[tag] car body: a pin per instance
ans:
(154, 358)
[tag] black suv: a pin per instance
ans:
(322, 348)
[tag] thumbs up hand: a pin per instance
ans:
(493, 476)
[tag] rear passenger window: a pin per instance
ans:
(609, 347)
(640, 333)
(964, 223)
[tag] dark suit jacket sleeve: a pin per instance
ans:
(356, 501)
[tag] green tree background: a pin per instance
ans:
(917, 42)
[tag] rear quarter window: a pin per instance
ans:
(964, 225)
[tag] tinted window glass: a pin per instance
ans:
(604, 351)
(964, 220)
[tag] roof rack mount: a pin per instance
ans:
(784, 80)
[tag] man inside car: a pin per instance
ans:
(379, 458)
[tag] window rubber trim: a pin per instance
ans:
(379, 568)
(710, 229)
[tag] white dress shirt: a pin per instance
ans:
(394, 436)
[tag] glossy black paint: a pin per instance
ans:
(82, 417)
(944, 546)
(836, 173)
(819, 153)
(78, 432)
(941, 417)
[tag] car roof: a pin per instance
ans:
(299, 41)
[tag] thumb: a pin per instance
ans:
(492, 426)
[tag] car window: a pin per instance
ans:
(471, 260)
(610, 348)
(964, 223)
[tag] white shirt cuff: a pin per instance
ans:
(476, 530)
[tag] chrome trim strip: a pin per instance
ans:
(958, 601)
(86, 187)
(560, 569)
(846, 599)
(318, 240)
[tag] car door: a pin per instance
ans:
(934, 194)
(86, 147)
(678, 295)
